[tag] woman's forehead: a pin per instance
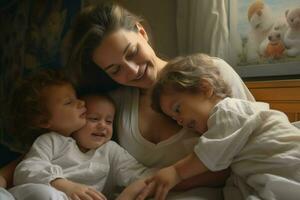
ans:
(112, 47)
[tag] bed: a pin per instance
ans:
(283, 95)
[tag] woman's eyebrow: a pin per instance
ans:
(124, 52)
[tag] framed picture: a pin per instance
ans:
(265, 37)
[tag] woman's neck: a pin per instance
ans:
(160, 65)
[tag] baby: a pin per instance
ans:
(59, 166)
(260, 145)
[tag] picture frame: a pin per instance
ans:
(253, 26)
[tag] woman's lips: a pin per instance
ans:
(142, 72)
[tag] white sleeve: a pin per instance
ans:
(238, 88)
(225, 138)
(37, 167)
(126, 168)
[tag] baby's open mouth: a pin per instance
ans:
(98, 134)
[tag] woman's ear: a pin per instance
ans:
(142, 31)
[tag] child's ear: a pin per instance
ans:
(206, 88)
(42, 123)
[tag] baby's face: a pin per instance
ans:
(67, 113)
(190, 110)
(99, 126)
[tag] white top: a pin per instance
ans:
(174, 148)
(55, 156)
(254, 141)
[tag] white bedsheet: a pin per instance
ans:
(278, 188)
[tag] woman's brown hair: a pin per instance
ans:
(90, 27)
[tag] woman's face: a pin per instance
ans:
(128, 59)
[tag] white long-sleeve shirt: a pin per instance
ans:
(55, 156)
(260, 145)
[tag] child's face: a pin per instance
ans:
(98, 129)
(190, 110)
(67, 113)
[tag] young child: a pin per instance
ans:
(59, 166)
(260, 145)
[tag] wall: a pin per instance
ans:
(161, 17)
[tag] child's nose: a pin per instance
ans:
(101, 124)
(81, 103)
(180, 121)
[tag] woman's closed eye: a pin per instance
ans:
(113, 70)
(132, 53)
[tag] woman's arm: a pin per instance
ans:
(7, 173)
(208, 179)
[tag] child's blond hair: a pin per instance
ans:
(187, 74)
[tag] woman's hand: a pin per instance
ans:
(131, 191)
(77, 191)
(161, 183)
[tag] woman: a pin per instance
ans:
(110, 38)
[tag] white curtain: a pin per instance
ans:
(202, 26)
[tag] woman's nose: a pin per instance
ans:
(132, 68)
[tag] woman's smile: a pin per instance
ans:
(142, 71)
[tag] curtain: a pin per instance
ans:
(202, 26)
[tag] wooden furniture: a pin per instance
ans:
(283, 95)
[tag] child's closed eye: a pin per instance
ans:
(93, 119)
(176, 108)
(109, 121)
(68, 102)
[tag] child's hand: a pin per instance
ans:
(164, 180)
(2, 182)
(77, 191)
